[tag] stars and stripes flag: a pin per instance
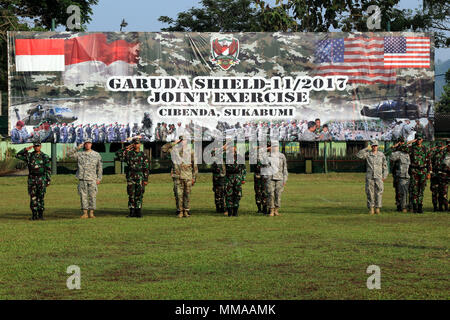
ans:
(371, 60)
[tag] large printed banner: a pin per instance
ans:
(108, 86)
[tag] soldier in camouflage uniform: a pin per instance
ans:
(89, 175)
(218, 179)
(260, 182)
(184, 173)
(137, 173)
(420, 170)
(39, 173)
(234, 179)
(277, 179)
(376, 173)
(444, 170)
(438, 186)
(401, 160)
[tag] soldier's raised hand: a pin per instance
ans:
(28, 148)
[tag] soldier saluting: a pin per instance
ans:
(376, 173)
(137, 173)
(184, 173)
(39, 173)
(89, 175)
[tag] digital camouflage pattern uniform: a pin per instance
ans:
(401, 162)
(218, 179)
(184, 173)
(376, 171)
(39, 176)
(138, 168)
(89, 171)
(419, 168)
(235, 175)
(438, 184)
(277, 180)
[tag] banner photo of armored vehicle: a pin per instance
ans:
(109, 86)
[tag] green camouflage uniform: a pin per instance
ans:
(40, 170)
(260, 187)
(89, 171)
(419, 169)
(438, 184)
(137, 172)
(376, 171)
(184, 173)
(235, 174)
(218, 178)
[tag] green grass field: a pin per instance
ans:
(319, 249)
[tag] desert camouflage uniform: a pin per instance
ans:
(235, 174)
(401, 176)
(419, 169)
(137, 173)
(39, 173)
(89, 171)
(438, 183)
(276, 181)
(184, 173)
(376, 167)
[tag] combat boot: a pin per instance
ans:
(275, 212)
(85, 214)
(138, 212)
(230, 212)
(131, 215)
(399, 208)
(446, 206)
(414, 208)
(40, 214)
(91, 214)
(371, 211)
(405, 210)
(265, 210)
(180, 213)
(272, 212)
(259, 208)
(225, 213)
(33, 215)
(419, 208)
(186, 213)
(235, 211)
(377, 210)
(441, 207)
(435, 207)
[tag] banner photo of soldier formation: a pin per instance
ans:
(110, 86)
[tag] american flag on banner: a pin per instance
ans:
(368, 60)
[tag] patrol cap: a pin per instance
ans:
(36, 143)
(419, 136)
(275, 144)
(88, 140)
(374, 143)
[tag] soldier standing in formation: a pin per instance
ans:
(277, 179)
(39, 173)
(261, 181)
(420, 171)
(376, 173)
(438, 184)
(400, 169)
(137, 173)
(235, 174)
(218, 179)
(89, 175)
(184, 173)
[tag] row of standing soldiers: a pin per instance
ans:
(413, 165)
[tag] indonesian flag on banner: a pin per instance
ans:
(91, 59)
(39, 55)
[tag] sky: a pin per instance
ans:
(142, 15)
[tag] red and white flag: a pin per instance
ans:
(39, 54)
(91, 59)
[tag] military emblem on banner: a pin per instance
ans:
(225, 51)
